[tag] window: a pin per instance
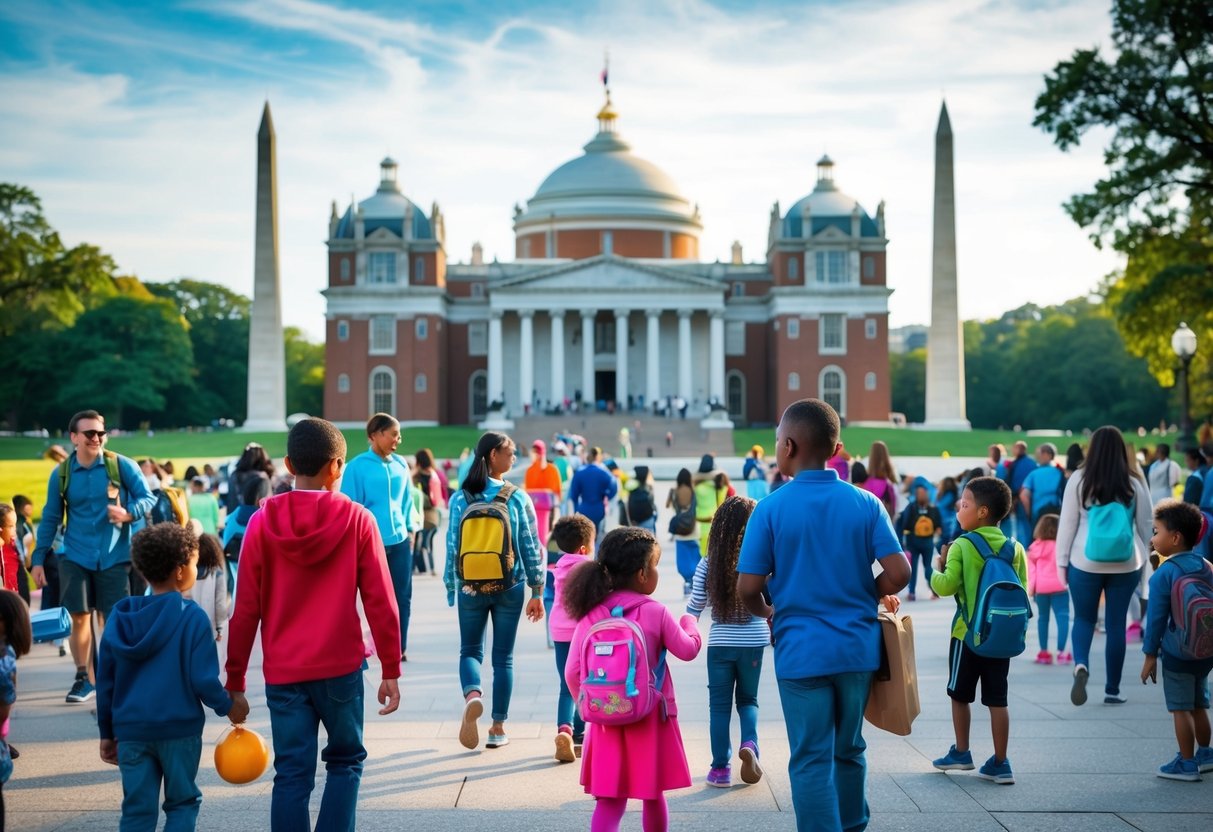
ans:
(478, 338)
(604, 336)
(383, 335)
(478, 394)
(735, 395)
(345, 268)
(793, 381)
(831, 390)
(832, 267)
(382, 267)
(738, 289)
(793, 328)
(478, 290)
(383, 390)
(869, 267)
(343, 383)
(420, 383)
(734, 337)
(869, 329)
(793, 268)
(421, 328)
(419, 270)
(869, 381)
(526, 248)
(608, 242)
(833, 333)
(343, 330)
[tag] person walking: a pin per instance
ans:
(686, 538)
(544, 486)
(433, 499)
(592, 486)
(882, 477)
(754, 472)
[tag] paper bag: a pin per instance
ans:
(893, 701)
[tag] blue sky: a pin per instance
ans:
(135, 123)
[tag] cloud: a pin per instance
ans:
(151, 155)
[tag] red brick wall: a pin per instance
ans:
(349, 357)
(578, 244)
(335, 259)
(862, 356)
(880, 277)
(756, 370)
(683, 247)
(460, 367)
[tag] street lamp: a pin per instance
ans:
(1183, 342)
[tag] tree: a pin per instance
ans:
(304, 373)
(908, 377)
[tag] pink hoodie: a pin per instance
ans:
(1042, 568)
(560, 625)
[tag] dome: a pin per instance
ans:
(386, 209)
(828, 206)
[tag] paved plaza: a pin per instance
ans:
(1089, 768)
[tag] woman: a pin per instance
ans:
(754, 472)
(1073, 458)
(493, 458)
(686, 545)
(543, 486)
(711, 489)
(379, 479)
(1101, 548)
(253, 463)
(429, 485)
(882, 478)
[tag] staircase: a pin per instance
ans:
(648, 434)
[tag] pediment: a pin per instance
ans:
(382, 235)
(606, 272)
(831, 233)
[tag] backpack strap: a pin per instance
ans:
(112, 473)
(507, 491)
(1006, 551)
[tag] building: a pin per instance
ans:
(606, 301)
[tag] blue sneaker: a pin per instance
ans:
(1180, 769)
(1204, 759)
(955, 761)
(1000, 773)
(81, 691)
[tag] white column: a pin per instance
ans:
(684, 354)
(557, 356)
(716, 357)
(526, 358)
(496, 357)
(621, 357)
(652, 381)
(587, 356)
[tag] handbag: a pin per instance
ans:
(893, 701)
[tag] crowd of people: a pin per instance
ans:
(154, 577)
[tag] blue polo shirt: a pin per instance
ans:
(591, 487)
(1046, 484)
(817, 537)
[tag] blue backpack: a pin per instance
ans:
(998, 626)
(1109, 533)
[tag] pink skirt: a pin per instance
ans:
(640, 761)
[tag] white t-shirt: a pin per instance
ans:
(1163, 476)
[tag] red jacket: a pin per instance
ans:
(305, 558)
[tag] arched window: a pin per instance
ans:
(793, 268)
(735, 394)
(420, 383)
(478, 395)
(343, 330)
(419, 270)
(832, 390)
(869, 381)
(421, 329)
(869, 267)
(345, 268)
(793, 381)
(383, 390)
(343, 383)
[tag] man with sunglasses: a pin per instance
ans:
(95, 515)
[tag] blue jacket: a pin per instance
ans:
(90, 539)
(156, 667)
(383, 486)
(1160, 631)
(530, 561)
(592, 486)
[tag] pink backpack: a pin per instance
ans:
(617, 685)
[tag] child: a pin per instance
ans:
(210, 590)
(574, 536)
(1185, 681)
(15, 641)
(10, 558)
(307, 557)
(1046, 587)
(642, 759)
(945, 501)
(735, 645)
(917, 526)
(156, 667)
(203, 506)
(983, 505)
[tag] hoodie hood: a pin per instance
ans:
(921, 482)
(303, 525)
(707, 463)
(143, 624)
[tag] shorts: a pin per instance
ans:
(83, 590)
(966, 668)
(1184, 690)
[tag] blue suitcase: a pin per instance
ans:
(52, 624)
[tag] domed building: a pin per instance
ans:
(606, 304)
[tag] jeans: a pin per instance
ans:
(566, 709)
(686, 553)
(827, 769)
(925, 551)
(400, 567)
(505, 609)
(1057, 603)
(1117, 589)
(729, 669)
(296, 712)
(143, 766)
(423, 557)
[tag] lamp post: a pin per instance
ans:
(1183, 342)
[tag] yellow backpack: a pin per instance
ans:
(924, 526)
(485, 563)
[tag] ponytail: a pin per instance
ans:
(585, 588)
(477, 479)
(623, 553)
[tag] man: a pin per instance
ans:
(590, 489)
(1162, 475)
(1042, 488)
(96, 513)
(1017, 471)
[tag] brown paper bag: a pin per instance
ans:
(893, 701)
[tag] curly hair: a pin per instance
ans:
(724, 546)
(210, 555)
(624, 552)
(1180, 517)
(158, 550)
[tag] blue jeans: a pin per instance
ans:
(296, 713)
(1117, 589)
(925, 551)
(400, 567)
(729, 669)
(686, 554)
(566, 709)
(827, 769)
(505, 609)
(144, 765)
(1057, 603)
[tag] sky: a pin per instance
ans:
(136, 124)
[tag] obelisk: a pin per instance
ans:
(945, 341)
(266, 349)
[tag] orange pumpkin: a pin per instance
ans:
(241, 755)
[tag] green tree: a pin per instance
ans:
(304, 373)
(908, 377)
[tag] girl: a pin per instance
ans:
(644, 759)
(882, 478)
(1050, 593)
(754, 472)
(686, 551)
(433, 500)
(735, 645)
(10, 558)
(494, 457)
(15, 641)
(210, 588)
(949, 493)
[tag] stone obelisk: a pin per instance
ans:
(266, 349)
(945, 341)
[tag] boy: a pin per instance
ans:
(306, 557)
(156, 667)
(203, 506)
(574, 537)
(984, 504)
(821, 532)
(1185, 683)
(917, 527)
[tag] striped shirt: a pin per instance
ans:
(753, 633)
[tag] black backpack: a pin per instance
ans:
(683, 521)
(641, 505)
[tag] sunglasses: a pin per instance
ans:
(93, 434)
